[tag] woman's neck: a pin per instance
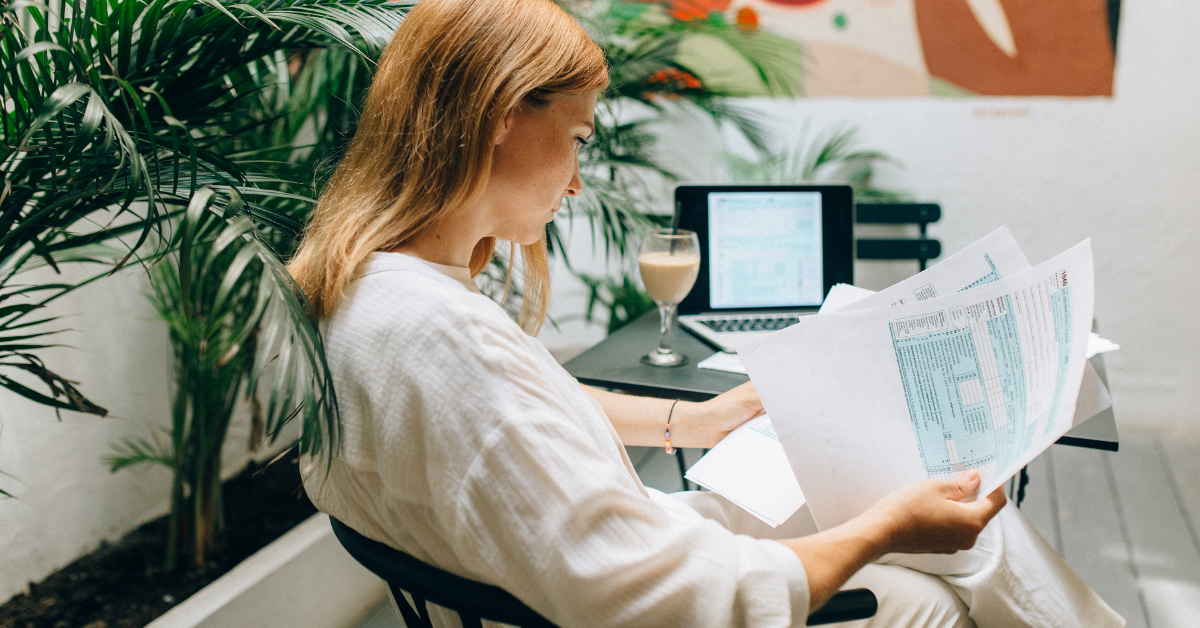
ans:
(450, 241)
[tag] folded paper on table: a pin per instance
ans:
(721, 361)
(866, 401)
(748, 467)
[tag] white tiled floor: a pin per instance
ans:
(1126, 522)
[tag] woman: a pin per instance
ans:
(467, 446)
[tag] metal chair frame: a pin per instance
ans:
(476, 601)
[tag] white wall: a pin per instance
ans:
(67, 502)
(1122, 171)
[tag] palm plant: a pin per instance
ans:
(832, 155)
(653, 74)
(125, 118)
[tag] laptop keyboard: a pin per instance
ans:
(749, 324)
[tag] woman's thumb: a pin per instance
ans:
(964, 485)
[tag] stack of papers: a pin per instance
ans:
(978, 362)
(731, 363)
(748, 467)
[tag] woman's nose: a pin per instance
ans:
(576, 184)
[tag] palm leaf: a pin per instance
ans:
(118, 112)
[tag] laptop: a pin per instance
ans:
(768, 255)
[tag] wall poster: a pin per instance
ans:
(881, 48)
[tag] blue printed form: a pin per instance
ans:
(972, 402)
(926, 379)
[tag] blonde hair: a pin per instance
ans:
(423, 148)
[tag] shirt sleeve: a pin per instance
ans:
(530, 499)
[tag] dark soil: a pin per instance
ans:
(124, 585)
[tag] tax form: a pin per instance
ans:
(866, 399)
(988, 259)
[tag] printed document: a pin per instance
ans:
(989, 259)
(748, 467)
(865, 401)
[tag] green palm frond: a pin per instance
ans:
(651, 74)
(118, 112)
(830, 156)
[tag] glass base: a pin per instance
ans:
(658, 358)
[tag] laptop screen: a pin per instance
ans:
(765, 249)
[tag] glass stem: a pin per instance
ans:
(666, 312)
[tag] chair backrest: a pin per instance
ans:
(425, 583)
(920, 249)
(474, 600)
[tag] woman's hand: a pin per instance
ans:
(928, 518)
(924, 518)
(722, 414)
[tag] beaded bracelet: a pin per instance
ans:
(667, 432)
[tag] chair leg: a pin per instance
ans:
(682, 469)
(423, 609)
(470, 621)
(406, 612)
(1022, 482)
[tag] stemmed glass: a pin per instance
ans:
(669, 260)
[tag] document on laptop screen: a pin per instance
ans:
(765, 249)
(867, 401)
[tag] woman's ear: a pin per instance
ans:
(506, 125)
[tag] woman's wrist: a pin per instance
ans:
(876, 532)
(690, 425)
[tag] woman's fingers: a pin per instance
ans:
(993, 503)
(930, 517)
(963, 486)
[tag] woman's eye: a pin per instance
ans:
(580, 142)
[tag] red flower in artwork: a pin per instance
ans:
(697, 9)
(671, 79)
(747, 19)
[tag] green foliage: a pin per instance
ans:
(651, 77)
(117, 112)
(213, 293)
(135, 129)
(655, 73)
(831, 156)
(620, 297)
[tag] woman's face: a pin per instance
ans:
(536, 164)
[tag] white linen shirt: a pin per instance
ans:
(466, 445)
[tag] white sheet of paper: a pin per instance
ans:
(1098, 345)
(721, 361)
(836, 390)
(748, 467)
(988, 259)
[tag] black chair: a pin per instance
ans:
(475, 601)
(921, 249)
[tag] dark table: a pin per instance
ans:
(616, 363)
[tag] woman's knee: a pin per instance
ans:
(909, 599)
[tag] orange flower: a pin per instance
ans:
(674, 78)
(684, 10)
(747, 19)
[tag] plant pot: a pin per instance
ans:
(302, 579)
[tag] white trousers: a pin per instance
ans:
(1011, 578)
